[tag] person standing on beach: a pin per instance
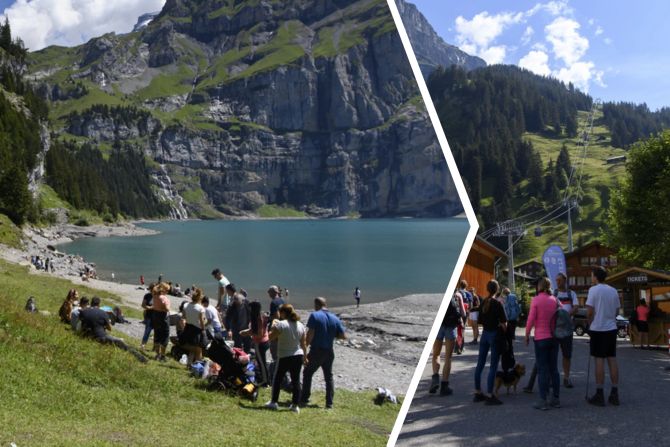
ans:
(603, 305)
(446, 336)
(147, 302)
(222, 296)
(160, 322)
(357, 297)
(323, 327)
(237, 318)
(276, 302)
(141, 280)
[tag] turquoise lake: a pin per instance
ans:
(386, 258)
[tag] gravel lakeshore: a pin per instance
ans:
(384, 340)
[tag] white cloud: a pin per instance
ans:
(607, 40)
(591, 22)
(527, 35)
(599, 30)
(580, 74)
(537, 62)
(567, 44)
(42, 23)
(494, 55)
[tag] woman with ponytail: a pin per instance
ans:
(291, 338)
(491, 317)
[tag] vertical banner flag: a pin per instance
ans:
(554, 263)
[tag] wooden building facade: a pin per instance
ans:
(480, 266)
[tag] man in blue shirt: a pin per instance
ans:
(323, 327)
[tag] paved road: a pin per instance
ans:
(642, 420)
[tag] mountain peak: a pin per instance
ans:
(144, 20)
(430, 49)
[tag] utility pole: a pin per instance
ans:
(510, 229)
(571, 202)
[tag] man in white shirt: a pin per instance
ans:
(603, 305)
(569, 301)
(223, 298)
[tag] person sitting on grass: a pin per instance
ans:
(65, 311)
(95, 323)
(74, 318)
(291, 337)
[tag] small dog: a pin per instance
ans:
(509, 379)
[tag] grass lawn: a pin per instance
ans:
(275, 211)
(59, 389)
(10, 234)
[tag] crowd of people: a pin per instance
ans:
(42, 264)
(294, 347)
(550, 322)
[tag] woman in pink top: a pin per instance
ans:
(642, 324)
(258, 331)
(542, 310)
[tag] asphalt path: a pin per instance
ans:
(642, 419)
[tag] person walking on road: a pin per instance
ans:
(569, 301)
(603, 305)
(474, 315)
(493, 320)
(446, 336)
(323, 327)
(542, 310)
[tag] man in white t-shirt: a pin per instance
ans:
(223, 298)
(569, 302)
(603, 306)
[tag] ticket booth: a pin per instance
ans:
(636, 283)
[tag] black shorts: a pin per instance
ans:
(642, 326)
(192, 335)
(603, 344)
(161, 328)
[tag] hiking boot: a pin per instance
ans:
(614, 397)
(541, 405)
(479, 397)
(567, 383)
(555, 403)
(597, 399)
(434, 384)
(445, 390)
(493, 400)
(271, 405)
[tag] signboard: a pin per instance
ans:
(554, 263)
(638, 278)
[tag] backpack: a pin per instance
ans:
(512, 308)
(452, 316)
(561, 323)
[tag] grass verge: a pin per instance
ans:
(59, 389)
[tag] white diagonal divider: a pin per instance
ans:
(467, 206)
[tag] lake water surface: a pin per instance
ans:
(386, 258)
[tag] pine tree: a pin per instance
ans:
(6, 36)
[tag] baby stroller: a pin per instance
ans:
(237, 373)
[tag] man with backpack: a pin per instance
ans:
(446, 336)
(569, 302)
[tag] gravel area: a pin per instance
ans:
(455, 420)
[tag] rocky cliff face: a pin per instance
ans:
(430, 49)
(304, 103)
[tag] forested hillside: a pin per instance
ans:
(516, 138)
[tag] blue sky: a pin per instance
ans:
(616, 49)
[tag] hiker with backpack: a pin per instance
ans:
(494, 323)
(512, 311)
(570, 303)
(446, 336)
(474, 315)
(542, 310)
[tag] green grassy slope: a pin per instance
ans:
(598, 180)
(59, 389)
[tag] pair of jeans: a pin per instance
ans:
(148, 327)
(546, 359)
(261, 357)
(292, 365)
(487, 341)
(319, 358)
